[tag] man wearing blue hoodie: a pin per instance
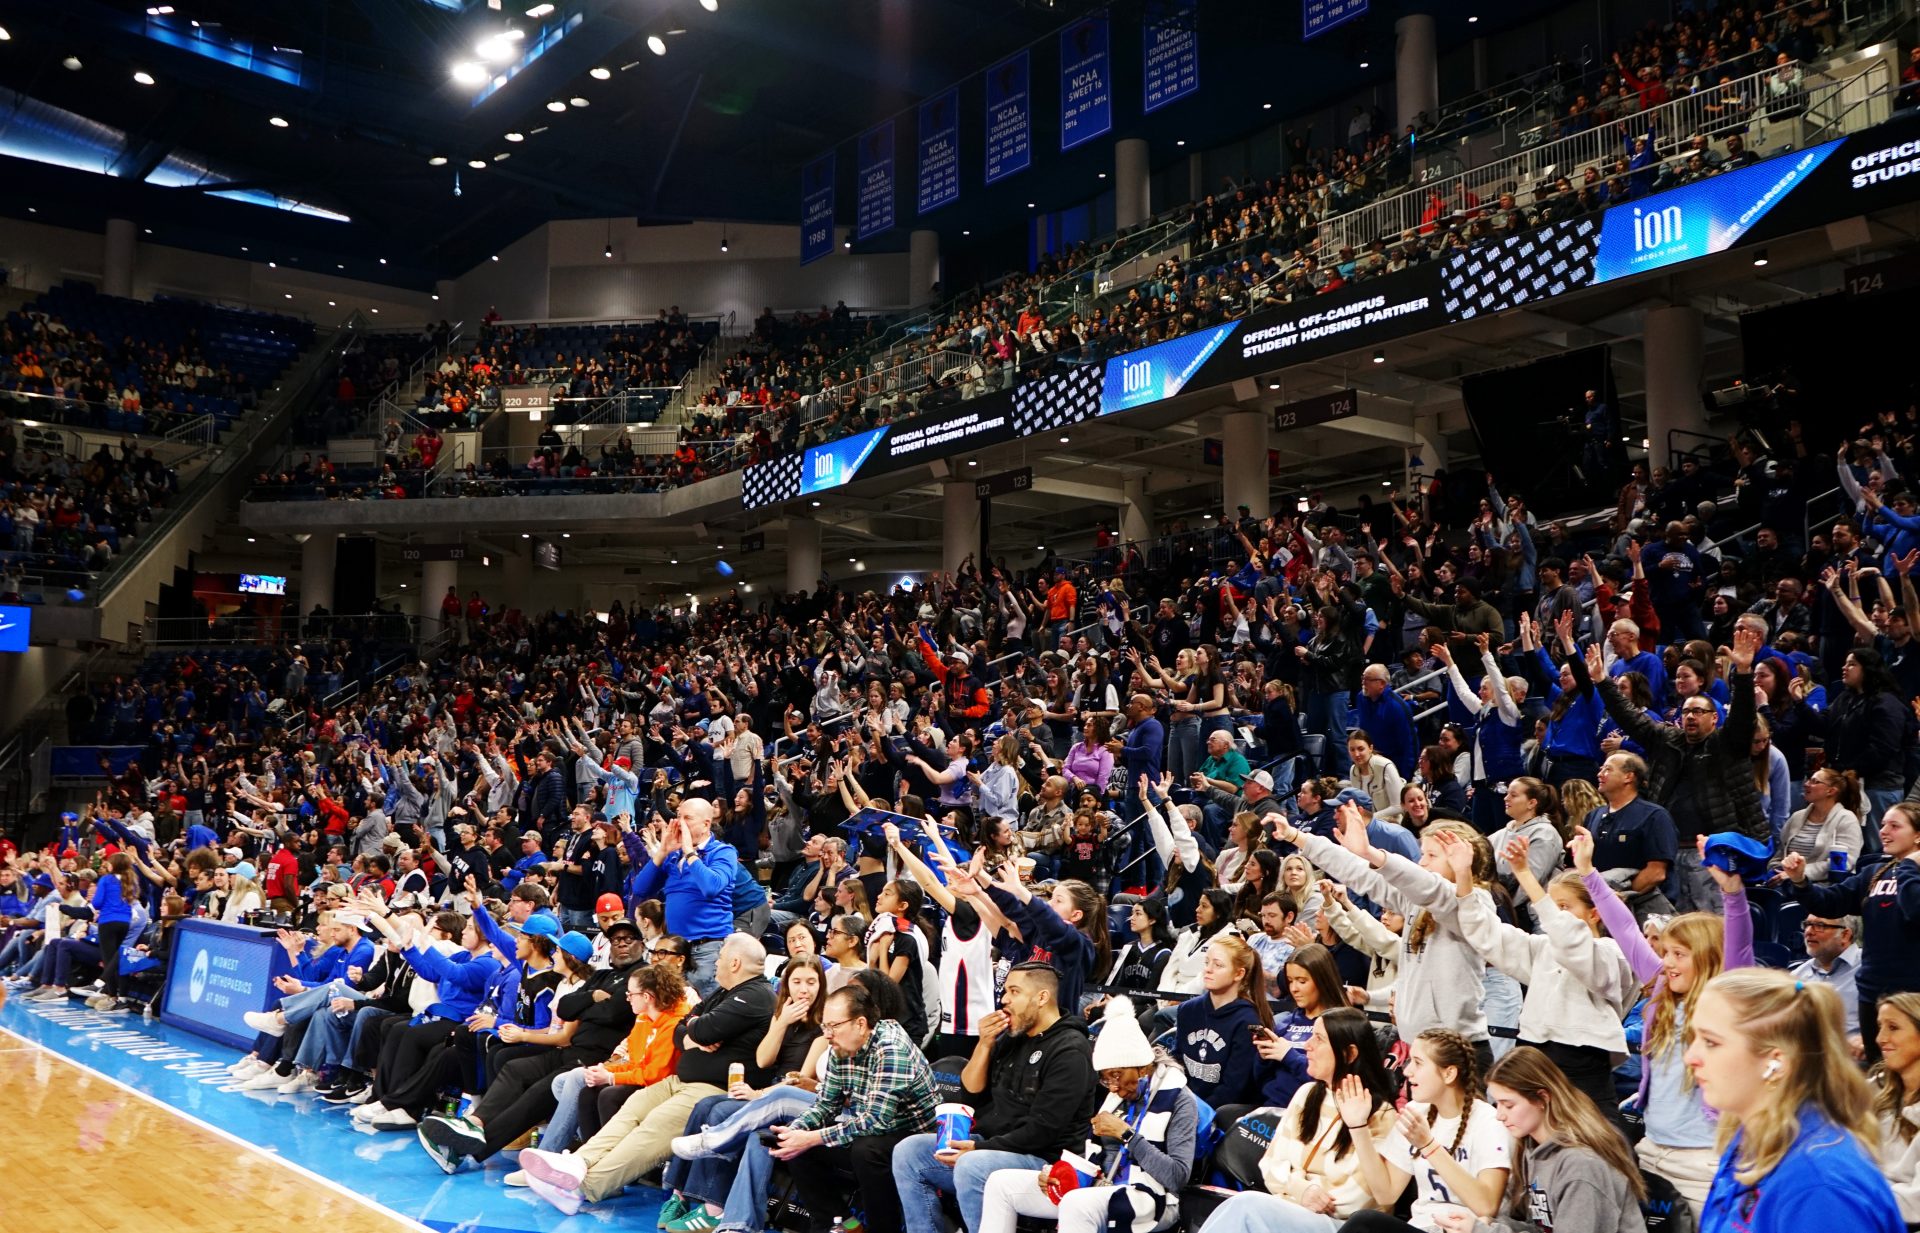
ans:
(692, 873)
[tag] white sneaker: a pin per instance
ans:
(246, 1067)
(559, 1169)
(568, 1201)
(395, 1119)
(367, 1112)
(302, 1081)
(266, 1021)
(265, 1081)
(517, 1178)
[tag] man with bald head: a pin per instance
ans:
(692, 873)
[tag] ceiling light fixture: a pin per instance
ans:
(436, 298)
(478, 164)
(1366, 64)
(273, 265)
(516, 136)
(438, 160)
(965, 232)
(331, 304)
(71, 64)
(1266, 107)
(1379, 357)
(383, 261)
(723, 237)
(656, 45)
(277, 122)
(846, 244)
(495, 257)
(143, 77)
(1181, 142)
(578, 101)
(502, 157)
(539, 11)
(556, 105)
(712, 6)
(499, 48)
(1472, 19)
(600, 72)
(1759, 258)
(469, 73)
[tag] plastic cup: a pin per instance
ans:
(952, 1123)
(1837, 861)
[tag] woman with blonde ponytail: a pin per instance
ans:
(1896, 1099)
(1797, 1131)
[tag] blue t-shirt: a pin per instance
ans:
(1825, 1181)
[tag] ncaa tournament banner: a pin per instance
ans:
(816, 209)
(1009, 117)
(874, 208)
(1086, 82)
(1320, 16)
(1170, 43)
(939, 170)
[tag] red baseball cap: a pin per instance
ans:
(624, 762)
(609, 902)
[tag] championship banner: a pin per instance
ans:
(816, 209)
(939, 170)
(1086, 82)
(1170, 48)
(1320, 16)
(874, 208)
(1009, 117)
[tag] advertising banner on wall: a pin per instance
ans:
(1009, 117)
(1170, 42)
(939, 169)
(816, 209)
(1086, 82)
(873, 212)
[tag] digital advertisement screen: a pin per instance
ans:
(1160, 371)
(16, 624)
(263, 584)
(217, 974)
(836, 462)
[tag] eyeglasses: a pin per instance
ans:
(829, 1025)
(1810, 926)
(1696, 710)
(669, 954)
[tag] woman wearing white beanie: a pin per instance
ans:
(1144, 1138)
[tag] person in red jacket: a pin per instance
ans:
(283, 879)
(333, 814)
(966, 697)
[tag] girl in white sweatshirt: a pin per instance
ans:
(1579, 983)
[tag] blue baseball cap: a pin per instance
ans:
(1355, 796)
(539, 925)
(577, 944)
(1738, 854)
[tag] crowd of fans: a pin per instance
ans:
(1348, 869)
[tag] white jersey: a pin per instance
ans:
(966, 979)
(1485, 1145)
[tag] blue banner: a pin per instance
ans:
(1170, 44)
(939, 151)
(833, 464)
(1320, 16)
(816, 209)
(1086, 82)
(1703, 218)
(1009, 117)
(1160, 371)
(873, 209)
(217, 974)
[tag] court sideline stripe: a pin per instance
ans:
(229, 1136)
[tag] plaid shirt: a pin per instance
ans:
(886, 1088)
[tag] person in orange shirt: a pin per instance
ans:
(658, 995)
(1062, 600)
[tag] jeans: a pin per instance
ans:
(710, 1177)
(580, 919)
(746, 1206)
(703, 965)
(1329, 715)
(920, 1179)
(328, 1036)
(1696, 889)
(1877, 800)
(1500, 1001)
(566, 1087)
(17, 949)
(1183, 748)
(1255, 1212)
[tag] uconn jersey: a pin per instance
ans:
(966, 973)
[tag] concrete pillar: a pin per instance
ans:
(803, 555)
(960, 523)
(316, 570)
(1416, 68)
(1130, 182)
(1243, 462)
(516, 579)
(1481, 77)
(1196, 177)
(435, 578)
(923, 269)
(117, 267)
(1674, 344)
(1136, 511)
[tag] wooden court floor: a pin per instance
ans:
(115, 1161)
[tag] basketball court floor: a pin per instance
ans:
(134, 1126)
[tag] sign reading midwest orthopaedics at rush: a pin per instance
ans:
(1790, 193)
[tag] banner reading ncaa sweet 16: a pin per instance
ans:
(1781, 196)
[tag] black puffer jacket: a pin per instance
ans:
(1723, 762)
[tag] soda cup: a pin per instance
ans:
(952, 1123)
(1837, 861)
(736, 1073)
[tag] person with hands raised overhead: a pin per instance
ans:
(1572, 744)
(1693, 948)
(1447, 1141)
(1313, 1167)
(1067, 929)
(1885, 894)
(1500, 731)
(1578, 983)
(1442, 980)
(693, 873)
(969, 920)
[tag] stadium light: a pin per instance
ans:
(143, 77)
(656, 45)
(539, 10)
(470, 73)
(555, 104)
(438, 160)
(600, 73)
(277, 121)
(712, 6)
(516, 136)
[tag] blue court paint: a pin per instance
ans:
(387, 1166)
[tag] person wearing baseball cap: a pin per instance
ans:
(532, 856)
(1255, 797)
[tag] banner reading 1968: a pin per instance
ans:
(816, 209)
(1086, 82)
(1170, 45)
(874, 208)
(939, 179)
(1009, 117)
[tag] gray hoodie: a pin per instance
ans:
(1572, 1190)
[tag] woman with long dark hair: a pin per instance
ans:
(1572, 744)
(1865, 725)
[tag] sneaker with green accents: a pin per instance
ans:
(675, 1207)
(697, 1220)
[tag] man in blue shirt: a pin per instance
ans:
(1145, 742)
(1635, 844)
(692, 873)
(1623, 639)
(1387, 719)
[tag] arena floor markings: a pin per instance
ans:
(182, 1150)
